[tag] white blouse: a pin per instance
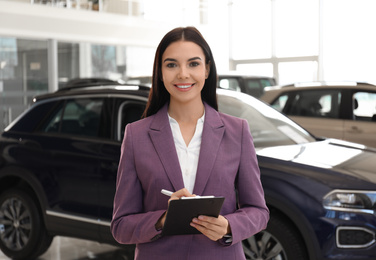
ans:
(188, 155)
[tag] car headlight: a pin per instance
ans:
(351, 201)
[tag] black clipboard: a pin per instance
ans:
(181, 212)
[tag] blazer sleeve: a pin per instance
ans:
(130, 224)
(253, 214)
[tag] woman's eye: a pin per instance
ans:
(194, 64)
(171, 65)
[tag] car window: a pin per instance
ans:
(76, 117)
(312, 103)
(253, 84)
(129, 111)
(280, 102)
(231, 84)
(268, 127)
(325, 102)
(364, 106)
(253, 87)
(267, 82)
(29, 121)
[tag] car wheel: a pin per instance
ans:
(22, 232)
(279, 241)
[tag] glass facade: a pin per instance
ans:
(23, 74)
(24, 68)
(68, 62)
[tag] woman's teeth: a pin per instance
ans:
(184, 86)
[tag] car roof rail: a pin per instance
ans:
(89, 82)
(328, 83)
(367, 83)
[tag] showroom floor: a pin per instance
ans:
(63, 248)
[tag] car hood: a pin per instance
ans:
(337, 163)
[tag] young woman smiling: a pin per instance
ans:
(184, 72)
(185, 145)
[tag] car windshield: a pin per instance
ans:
(268, 126)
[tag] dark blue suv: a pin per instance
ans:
(58, 165)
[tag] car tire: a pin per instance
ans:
(22, 231)
(279, 241)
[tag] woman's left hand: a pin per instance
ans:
(213, 228)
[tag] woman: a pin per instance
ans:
(185, 145)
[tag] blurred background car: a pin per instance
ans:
(139, 80)
(252, 85)
(58, 167)
(343, 110)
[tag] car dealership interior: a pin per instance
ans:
(45, 45)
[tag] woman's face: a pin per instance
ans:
(184, 71)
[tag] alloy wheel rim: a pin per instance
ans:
(263, 246)
(15, 224)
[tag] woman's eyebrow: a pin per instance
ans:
(169, 59)
(174, 60)
(194, 58)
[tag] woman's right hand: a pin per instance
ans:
(175, 196)
(180, 193)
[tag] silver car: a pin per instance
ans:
(344, 110)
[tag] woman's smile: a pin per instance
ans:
(184, 87)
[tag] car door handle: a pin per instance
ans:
(355, 129)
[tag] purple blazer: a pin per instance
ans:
(149, 163)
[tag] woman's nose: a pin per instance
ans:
(183, 73)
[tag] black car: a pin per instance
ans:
(58, 166)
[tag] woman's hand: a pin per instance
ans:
(213, 228)
(180, 193)
(175, 196)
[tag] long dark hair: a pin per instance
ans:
(158, 95)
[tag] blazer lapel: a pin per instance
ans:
(212, 135)
(161, 136)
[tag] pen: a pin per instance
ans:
(169, 193)
(166, 192)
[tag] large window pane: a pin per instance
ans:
(257, 69)
(291, 72)
(349, 40)
(68, 62)
(297, 27)
(139, 61)
(23, 74)
(251, 29)
(103, 58)
(116, 62)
